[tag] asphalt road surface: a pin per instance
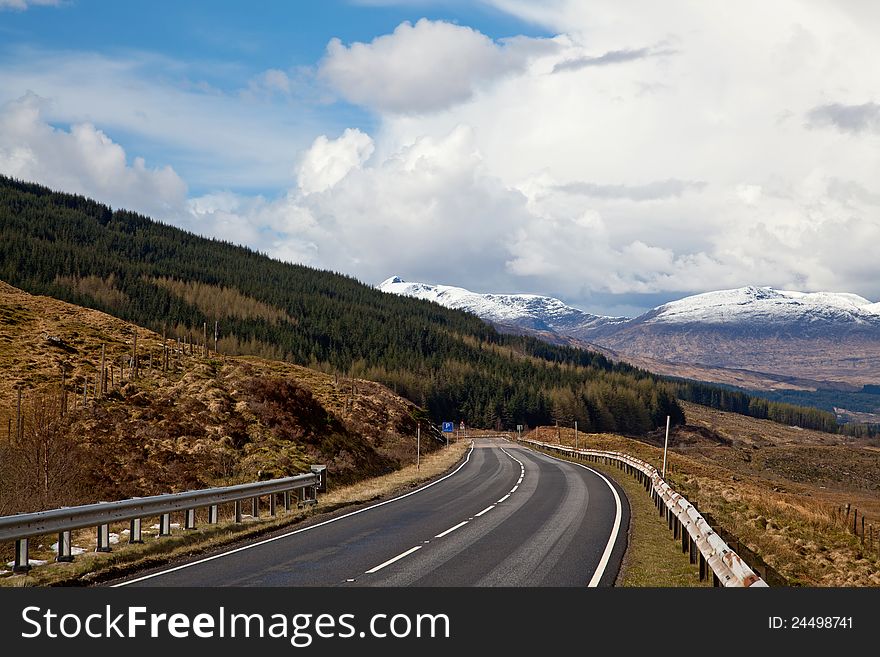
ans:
(508, 516)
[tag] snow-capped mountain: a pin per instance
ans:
(765, 305)
(819, 336)
(518, 310)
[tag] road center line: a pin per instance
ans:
(486, 510)
(502, 499)
(452, 529)
(393, 559)
(298, 531)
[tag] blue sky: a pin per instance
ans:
(224, 44)
(616, 155)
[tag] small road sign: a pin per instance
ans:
(448, 427)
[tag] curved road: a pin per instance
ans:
(508, 516)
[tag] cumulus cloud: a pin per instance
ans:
(854, 119)
(329, 160)
(423, 67)
(84, 160)
(429, 207)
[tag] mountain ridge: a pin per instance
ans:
(825, 337)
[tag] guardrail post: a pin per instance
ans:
(189, 521)
(21, 564)
(103, 538)
(237, 510)
(255, 507)
(165, 524)
(702, 561)
(272, 505)
(212, 514)
(134, 531)
(321, 471)
(64, 552)
(287, 500)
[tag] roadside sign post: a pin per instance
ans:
(418, 446)
(448, 428)
(665, 446)
(575, 435)
(519, 432)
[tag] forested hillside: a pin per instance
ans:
(449, 362)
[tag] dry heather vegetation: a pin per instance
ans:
(208, 420)
(781, 491)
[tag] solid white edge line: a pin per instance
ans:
(615, 530)
(452, 529)
(486, 510)
(297, 531)
(392, 560)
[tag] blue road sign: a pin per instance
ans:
(448, 427)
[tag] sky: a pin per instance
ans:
(614, 155)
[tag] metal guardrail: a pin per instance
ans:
(23, 526)
(698, 538)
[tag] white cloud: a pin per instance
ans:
(669, 174)
(21, 5)
(424, 67)
(82, 160)
(748, 157)
(216, 138)
(328, 161)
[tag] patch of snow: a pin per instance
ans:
(114, 538)
(31, 562)
(74, 549)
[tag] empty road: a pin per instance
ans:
(508, 516)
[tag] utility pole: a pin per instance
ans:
(419, 446)
(558, 435)
(665, 446)
(575, 435)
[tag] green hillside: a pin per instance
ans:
(451, 363)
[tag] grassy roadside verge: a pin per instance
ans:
(91, 567)
(653, 557)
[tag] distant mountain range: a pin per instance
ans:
(755, 337)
